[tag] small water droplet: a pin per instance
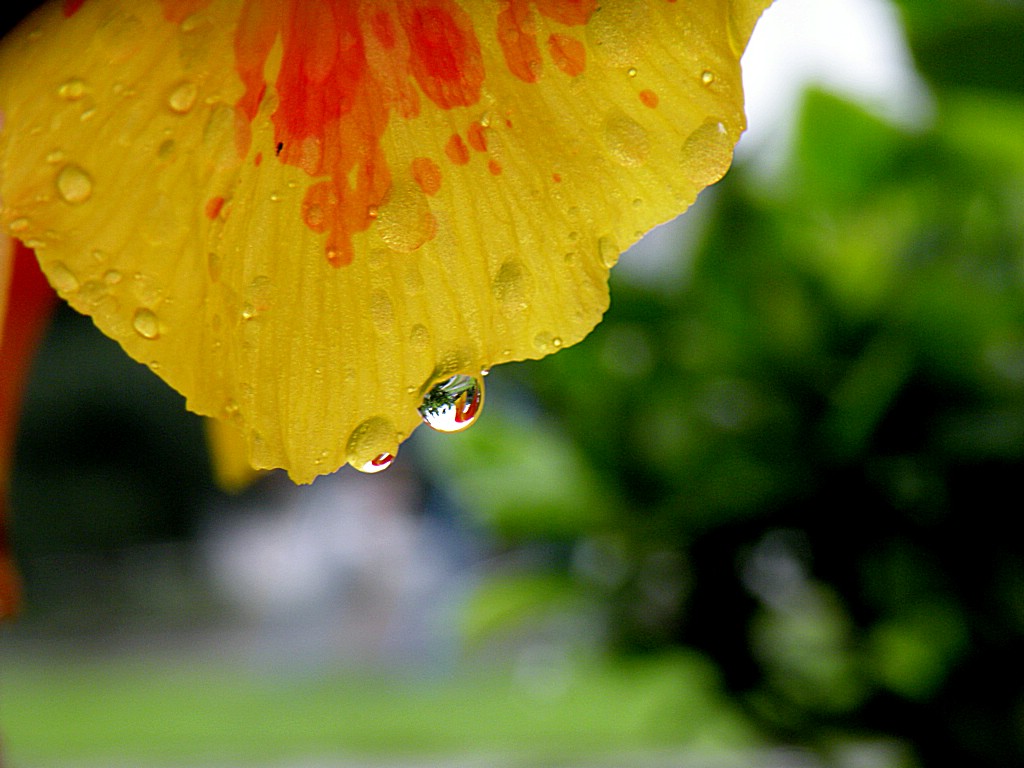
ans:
(707, 77)
(72, 90)
(377, 464)
(56, 156)
(631, 71)
(183, 97)
(112, 277)
(146, 323)
(18, 225)
(608, 251)
(74, 185)
(454, 404)
(62, 278)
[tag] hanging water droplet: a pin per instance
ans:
(377, 464)
(454, 404)
(74, 185)
(146, 323)
(372, 445)
(608, 251)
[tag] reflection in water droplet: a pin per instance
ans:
(74, 185)
(146, 324)
(62, 278)
(377, 464)
(707, 153)
(454, 404)
(183, 97)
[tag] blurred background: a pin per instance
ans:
(762, 516)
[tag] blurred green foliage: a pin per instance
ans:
(803, 458)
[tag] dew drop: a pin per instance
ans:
(72, 90)
(74, 185)
(631, 71)
(608, 251)
(707, 77)
(54, 157)
(183, 97)
(18, 225)
(146, 323)
(372, 445)
(454, 404)
(62, 278)
(627, 140)
(112, 277)
(707, 153)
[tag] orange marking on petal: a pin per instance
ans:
(427, 175)
(457, 150)
(556, 177)
(517, 33)
(569, 12)
(494, 167)
(477, 137)
(446, 59)
(258, 159)
(213, 207)
(568, 54)
(649, 98)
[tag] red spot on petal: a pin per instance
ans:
(71, 7)
(427, 175)
(556, 177)
(649, 98)
(258, 159)
(477, 137)
(213, 207)
(568, 54)
(494, 167)
(517, 32)
(456, 150)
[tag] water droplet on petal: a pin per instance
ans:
(608, 251)
(18, 225)
(707, 77)
(631, 71)
(372, 445)
(183, 97)
(72, 90)
(74, 185)
(707, 153)
(146, 323)
(454, 404)
(112, 277)
(62, 278)
(626, 139)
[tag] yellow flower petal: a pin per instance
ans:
(305, 215)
